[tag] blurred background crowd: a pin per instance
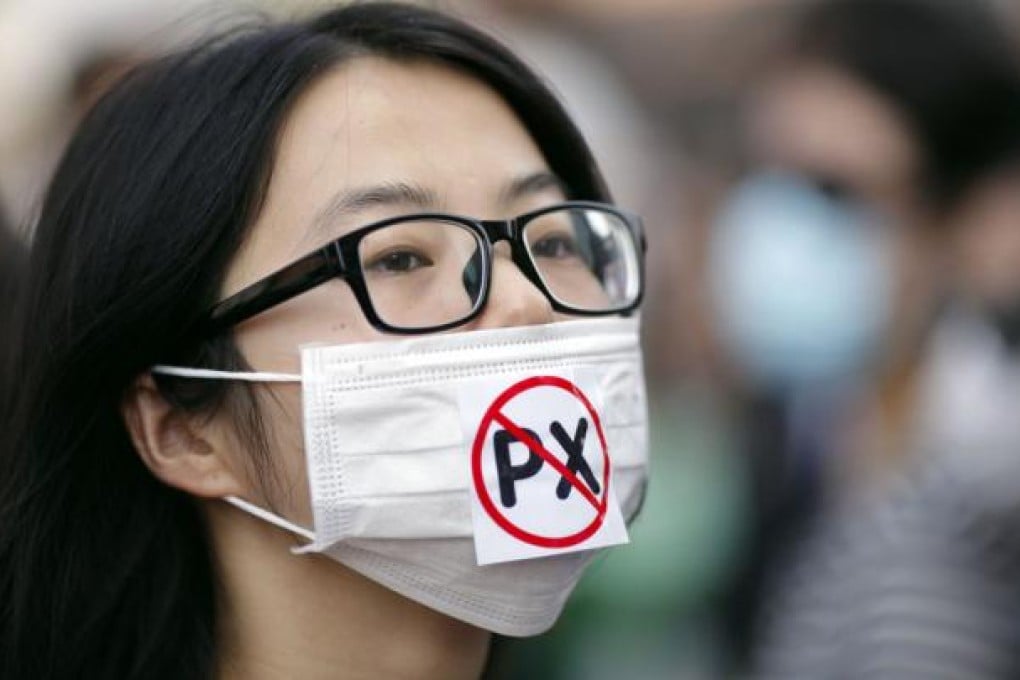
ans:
(831, 190)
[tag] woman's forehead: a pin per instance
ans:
(375, 121)
(372, 125)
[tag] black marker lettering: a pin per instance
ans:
(575, 457)
(508, 472)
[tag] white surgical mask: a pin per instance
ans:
(438, 465)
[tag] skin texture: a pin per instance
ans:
(370, 123)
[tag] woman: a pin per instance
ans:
(285, 205)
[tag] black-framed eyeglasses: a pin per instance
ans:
(428, 272)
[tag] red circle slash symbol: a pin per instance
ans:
(494, 415)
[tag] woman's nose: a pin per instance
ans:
(513, 299)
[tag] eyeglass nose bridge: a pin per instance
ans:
(500, 230)
(511, 231)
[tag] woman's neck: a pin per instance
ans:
(289, 616)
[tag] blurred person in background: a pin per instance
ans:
(56, 59)
(925, 581)
(831, 262)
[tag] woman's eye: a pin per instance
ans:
(399, 262)
(556, 246)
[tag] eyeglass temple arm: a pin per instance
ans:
(278, 287)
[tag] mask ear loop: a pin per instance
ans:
(276, 520)
(180, 372)
(240, 503)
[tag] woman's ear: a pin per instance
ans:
(183, 451)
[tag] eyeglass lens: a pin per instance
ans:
(587, 258)
(427, 273)
(422, 273)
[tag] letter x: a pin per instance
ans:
(575, 457)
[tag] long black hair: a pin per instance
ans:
(104, 571)
(12, 269)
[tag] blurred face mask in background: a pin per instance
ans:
(801, 281)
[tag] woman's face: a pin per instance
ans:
(370, 140)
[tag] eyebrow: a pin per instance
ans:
(352, 201)
(388, 194)
(534, 183)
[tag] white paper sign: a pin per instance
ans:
(541, 471)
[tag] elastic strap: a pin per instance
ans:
(276, 520)
(210, 374)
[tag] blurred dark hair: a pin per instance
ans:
(946, 65)
(12, 269)
(104, 571)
